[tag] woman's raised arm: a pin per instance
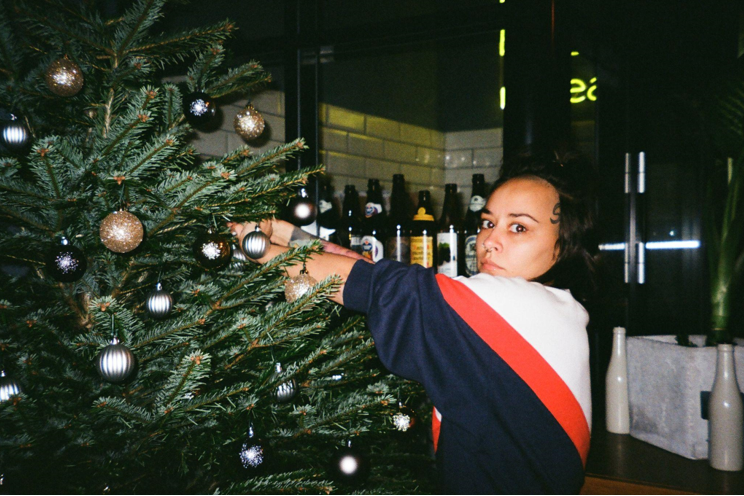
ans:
(335, 260)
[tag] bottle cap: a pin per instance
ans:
(422, 215)
(618, 330)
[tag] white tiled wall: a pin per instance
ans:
(355, 147)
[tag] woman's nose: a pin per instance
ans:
(493, 241)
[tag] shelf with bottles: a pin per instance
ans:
(399, 231)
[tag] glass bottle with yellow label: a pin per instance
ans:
(423, 232)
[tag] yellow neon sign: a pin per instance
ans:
(580, 91)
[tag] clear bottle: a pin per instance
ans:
(616, 386)
(726, 415)
(398, 243)
(471, 225)
(423, 232)
(375, 222)
(449, 235)
(351, 222)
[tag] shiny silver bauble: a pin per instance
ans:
(116, 363)
(159, 303)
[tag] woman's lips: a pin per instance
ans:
(490, 266)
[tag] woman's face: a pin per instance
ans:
(519, 229)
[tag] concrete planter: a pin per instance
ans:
(665, 382)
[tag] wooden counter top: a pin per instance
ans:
(620, 464)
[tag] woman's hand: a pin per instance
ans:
(336, 261)
(283, 233)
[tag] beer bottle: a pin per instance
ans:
(350, 226)
(374, 222)
(423, 232)
(398, 244)
(449, 235)
(471, 226)
(328, 218)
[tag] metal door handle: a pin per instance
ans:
(641, 260)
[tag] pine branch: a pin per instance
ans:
(137, 20)
(163, 50)
(55, 26)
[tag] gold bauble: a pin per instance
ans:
(64, 77)
(249, 123)
(121, 232)
(298, 286)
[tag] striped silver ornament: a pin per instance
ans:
(286, 391)
(159, 303)
(116, 362)
(14, 135)
(8, 387)
(256, 244)
(238, 257)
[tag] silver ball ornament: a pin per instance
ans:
(14, 135)
(159, 302)
(8, 387)
(256, 244)
(249, 123)
(349, 465)
(285, 391)
(116, 363)
(238, 257)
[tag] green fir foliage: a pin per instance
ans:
(206, 372)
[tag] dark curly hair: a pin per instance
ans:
(574, 178)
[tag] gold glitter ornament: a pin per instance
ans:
(121, 232)
(64, 77)
(298, 286)
(249, 124)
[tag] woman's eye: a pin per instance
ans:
(517, 228)
(486, 224)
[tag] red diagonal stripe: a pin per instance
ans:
(529, 365)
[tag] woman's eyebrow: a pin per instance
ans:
(524, 215)
(488, 212)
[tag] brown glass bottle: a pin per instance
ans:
(398, 243)
(471, 226)
(350, 231)
(449, 235)
(328, 218)
(374, 223)
(423, 232)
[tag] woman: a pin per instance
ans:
(503, 355)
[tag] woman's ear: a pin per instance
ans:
(556, 250)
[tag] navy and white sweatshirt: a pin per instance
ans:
(505, 362)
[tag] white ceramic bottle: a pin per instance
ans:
(616, 382)
(726, 415)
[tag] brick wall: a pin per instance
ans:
(355, 147)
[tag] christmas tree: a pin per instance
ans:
(140, 352)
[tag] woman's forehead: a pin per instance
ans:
(524, 192)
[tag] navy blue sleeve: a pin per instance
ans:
(399, 300)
